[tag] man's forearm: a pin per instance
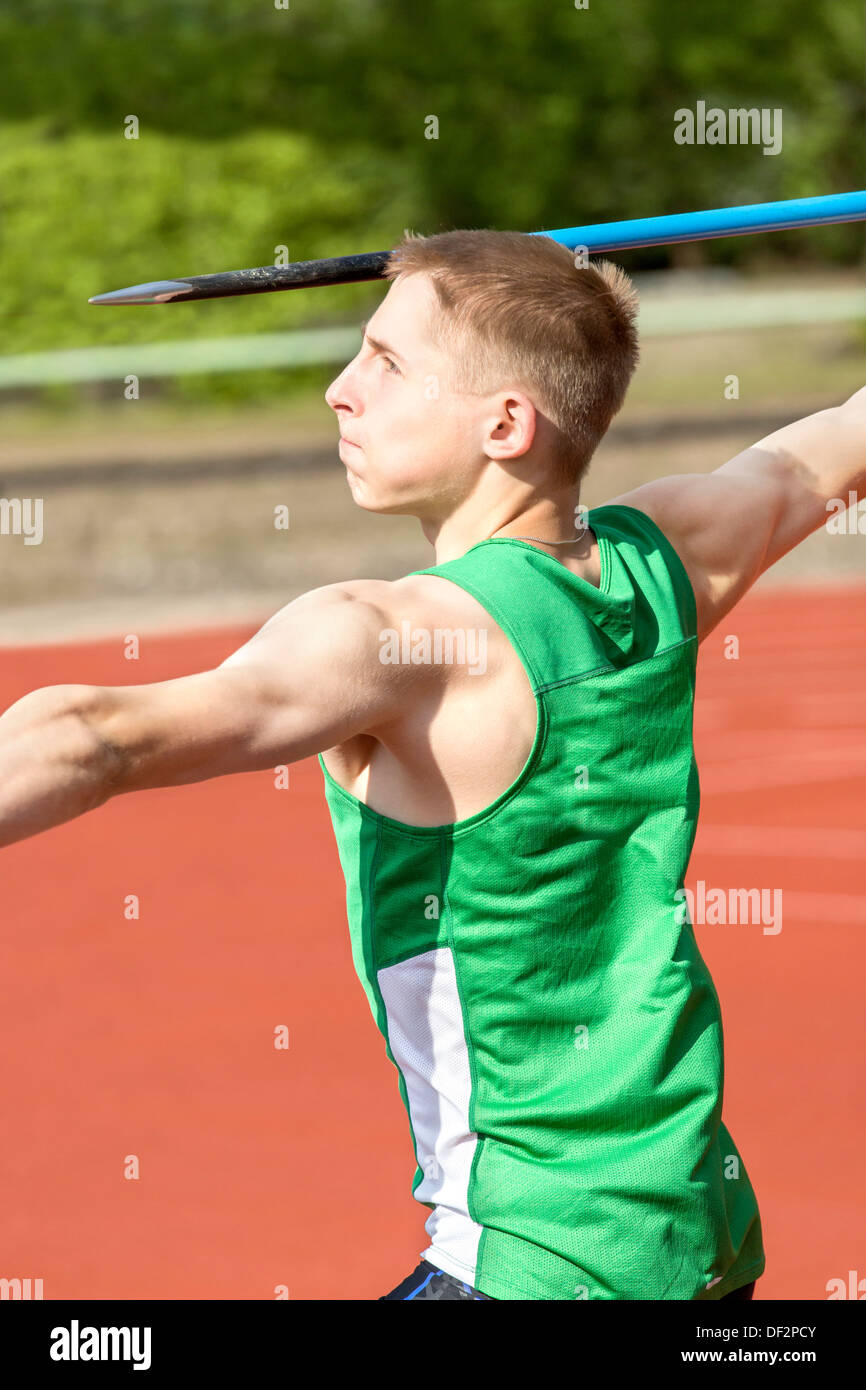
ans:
(852, 415)
(826, 451)
(53, 766)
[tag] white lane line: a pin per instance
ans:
(799, 768)
(816, 909)
(744, 745)
(794, 841)
(813, 712)
(825, 907)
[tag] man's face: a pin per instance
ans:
(409, 443)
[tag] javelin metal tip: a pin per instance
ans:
(154, 292)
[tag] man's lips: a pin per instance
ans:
(351, 443)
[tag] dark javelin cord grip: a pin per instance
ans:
(265, 279)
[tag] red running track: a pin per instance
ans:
(261, 1167)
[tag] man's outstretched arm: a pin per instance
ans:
(732, 524)
(310, 678)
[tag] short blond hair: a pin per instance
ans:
(516, 308)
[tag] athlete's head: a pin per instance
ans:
(493, 361)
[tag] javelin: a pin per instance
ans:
(600, 236)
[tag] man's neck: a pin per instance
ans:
(547, 520)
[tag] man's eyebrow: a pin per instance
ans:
(380, 347)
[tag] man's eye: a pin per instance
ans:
(391, 364)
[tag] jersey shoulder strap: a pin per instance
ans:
(650, 558)
(563, 627)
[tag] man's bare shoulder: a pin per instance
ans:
(419, 605)
(721, 526)
(420, 598)
(683, 502)
(362, 603)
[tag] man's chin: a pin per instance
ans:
(368, 501)
(372, 504)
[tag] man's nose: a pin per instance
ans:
(332, 393)
(339, 393)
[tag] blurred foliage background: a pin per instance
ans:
(305, 127)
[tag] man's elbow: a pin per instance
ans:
(84, 714)
(54, 766)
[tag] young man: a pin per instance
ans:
(506, 743)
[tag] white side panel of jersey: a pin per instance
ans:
(428, 1043)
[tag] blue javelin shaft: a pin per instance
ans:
(600, 236)
(700, 226)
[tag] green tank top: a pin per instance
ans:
(532, 968)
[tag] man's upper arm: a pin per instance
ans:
(732, 524)
(311, 677)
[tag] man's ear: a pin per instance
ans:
(512, 429)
